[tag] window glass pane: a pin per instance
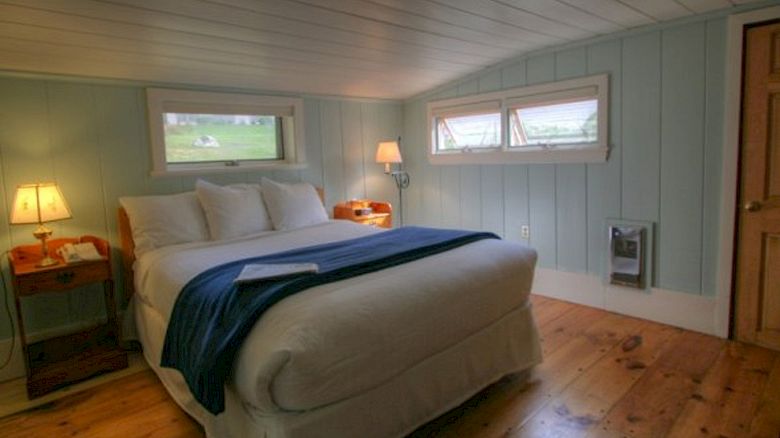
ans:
(193, 138)
(560, 123)
(472, 131)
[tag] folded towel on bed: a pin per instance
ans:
(212, 315)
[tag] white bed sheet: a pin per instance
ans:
(337, 341)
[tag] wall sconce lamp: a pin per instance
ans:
(36, 204)
(389, 153)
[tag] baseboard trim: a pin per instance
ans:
(688, 311)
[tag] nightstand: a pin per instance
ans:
(56, 362)
(367, 212)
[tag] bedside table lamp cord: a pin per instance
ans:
(10, 317)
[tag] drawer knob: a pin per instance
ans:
(65, 277)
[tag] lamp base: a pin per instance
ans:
(43, 232)
(46, 262)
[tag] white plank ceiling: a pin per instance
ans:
(366, 48)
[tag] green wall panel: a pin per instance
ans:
(665, 139)
(93, 140)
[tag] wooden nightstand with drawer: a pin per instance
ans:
(366, 212)
(53, 363)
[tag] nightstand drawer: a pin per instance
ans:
(63, 278)
(375, 221)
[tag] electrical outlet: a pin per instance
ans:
(525, 231)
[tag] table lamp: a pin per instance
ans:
(36, 204)
(388, 152)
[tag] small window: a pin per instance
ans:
(465, 128)
(194, 132)
(203, 138)
(557, 122)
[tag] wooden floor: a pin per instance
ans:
(604, 375)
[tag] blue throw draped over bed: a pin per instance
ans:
(212, 316)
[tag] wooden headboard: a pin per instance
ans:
(127, 251)
(128, 248)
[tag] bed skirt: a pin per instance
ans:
(392, 409)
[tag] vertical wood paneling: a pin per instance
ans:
(332, 157)
(429, 177)
(25, 142)
(492, 196)
(515, 175)
(541, 203)
(76, 160)
(513, 75)
(604, 184)
(641, 133)
(571, 216)
(570, 63)
(374, 175)
(571, 185)
(414, 163)
(470, 197)
(389, 127)
(450, 196)
(641, 126)
(122, 155)
(542, 180)
(713, 152)
(469, 87)
(352, 150)
(470, 178)
(682, 124)
(76, 157)
(515, 201)
(448, 212)
(540, 69)
(313, 172)
(5, 325)
(489, 81)
(491, 177)
(24, 139)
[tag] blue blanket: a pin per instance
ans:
(212, 316)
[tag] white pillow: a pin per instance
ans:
(233, 211)
(293, 206)
(158, 221)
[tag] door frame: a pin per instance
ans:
(730, 164)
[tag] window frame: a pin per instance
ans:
(288, 109)
(596, 86)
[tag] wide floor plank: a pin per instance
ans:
(604, 375)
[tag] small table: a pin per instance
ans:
(366, 212)
(56, 362)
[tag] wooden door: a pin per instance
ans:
(758, 258)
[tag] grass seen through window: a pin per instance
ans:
(192, 138)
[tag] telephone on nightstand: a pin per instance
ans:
(79, 252)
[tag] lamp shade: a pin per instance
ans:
(38, 203)
(388, 152)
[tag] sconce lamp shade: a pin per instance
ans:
(39, 203)
(388, 152)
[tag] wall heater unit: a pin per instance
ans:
(627, 253)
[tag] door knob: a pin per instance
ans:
(753, 206)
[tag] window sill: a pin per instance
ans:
(589, 155)
(196, 170)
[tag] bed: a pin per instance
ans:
(375, 355)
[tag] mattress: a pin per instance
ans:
(334, 344)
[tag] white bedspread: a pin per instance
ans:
(338, 340)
